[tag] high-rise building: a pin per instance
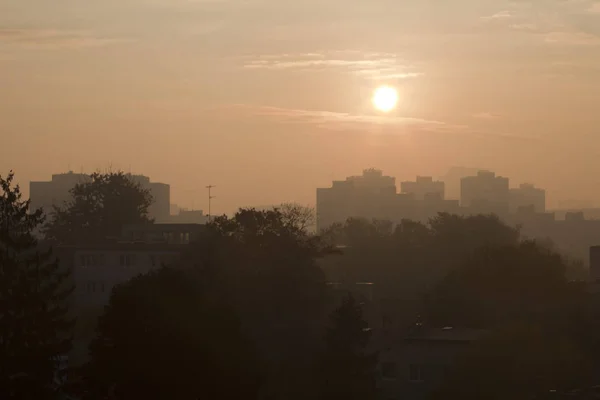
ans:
(374, 196)
(527, 195)
(160, 209)
(56, 192)
(485, 193)
(423, 186)
(369, 196)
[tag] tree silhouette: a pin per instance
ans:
(502, 285)
(99, 209)
(163, 336)
(267, 265)
(34, 329)
(347, 370)
(520, 361)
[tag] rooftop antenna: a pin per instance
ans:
(209, 187)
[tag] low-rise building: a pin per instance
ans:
(415, 367)
(163, 233)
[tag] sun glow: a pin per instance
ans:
(385, 98)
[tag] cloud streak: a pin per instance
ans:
(338, 121)
(368, 65)
(52, 39)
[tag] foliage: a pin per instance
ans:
(347, 370)
(517, 362)
(297, 215)
(265, 262)
(407, 261)
(98, 209)
(163, 335)
(500, 285)
(34, 329)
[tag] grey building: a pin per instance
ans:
(412, 369)
(46, 194)
(527, 195)
(485, 193)
(424, 186)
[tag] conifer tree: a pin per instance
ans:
(347, 368)
(34, 328)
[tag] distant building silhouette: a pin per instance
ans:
(47, 194)
(485, 193)
(374, 196)
(357, 196)
(527, 195)
(595, 264)
(452, 180)
(160, 209)
(55, 192)
(423, 186)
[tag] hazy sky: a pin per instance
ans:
(268, 99)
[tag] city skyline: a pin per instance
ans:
(199, 92)
(55, 191)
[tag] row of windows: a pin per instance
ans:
(125, 260)
(96, 287)
(389, 370)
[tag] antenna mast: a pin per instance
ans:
(209, 187)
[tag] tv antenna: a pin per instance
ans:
(210, 197)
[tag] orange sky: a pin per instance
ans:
(268, 99)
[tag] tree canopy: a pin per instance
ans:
(347, 368)
(34, 328)
(163, 335)
(503, 284)
(265, 263)
(98, 209)
(518, 362)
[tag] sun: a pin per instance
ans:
(385, 98)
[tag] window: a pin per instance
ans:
(388, 370)
(91, 287)
(91, 260)
(415, 373)
(166, 259)
(127, 260)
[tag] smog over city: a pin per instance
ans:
(276, 200)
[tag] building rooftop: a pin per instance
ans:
(446, 334)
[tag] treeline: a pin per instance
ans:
(248, 312)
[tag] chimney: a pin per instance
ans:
(595, 263)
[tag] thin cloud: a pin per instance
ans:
(486, 115)
(53, 39)
(346, 122)
(501, 15)
(370, 65)
(337, 121)
(572, 39)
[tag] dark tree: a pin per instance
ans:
(297, 215)
(164, 336)
(503, 285)
(34, 328)
(98, 209)
(266, 262)
(518, 362)
(347, 369)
